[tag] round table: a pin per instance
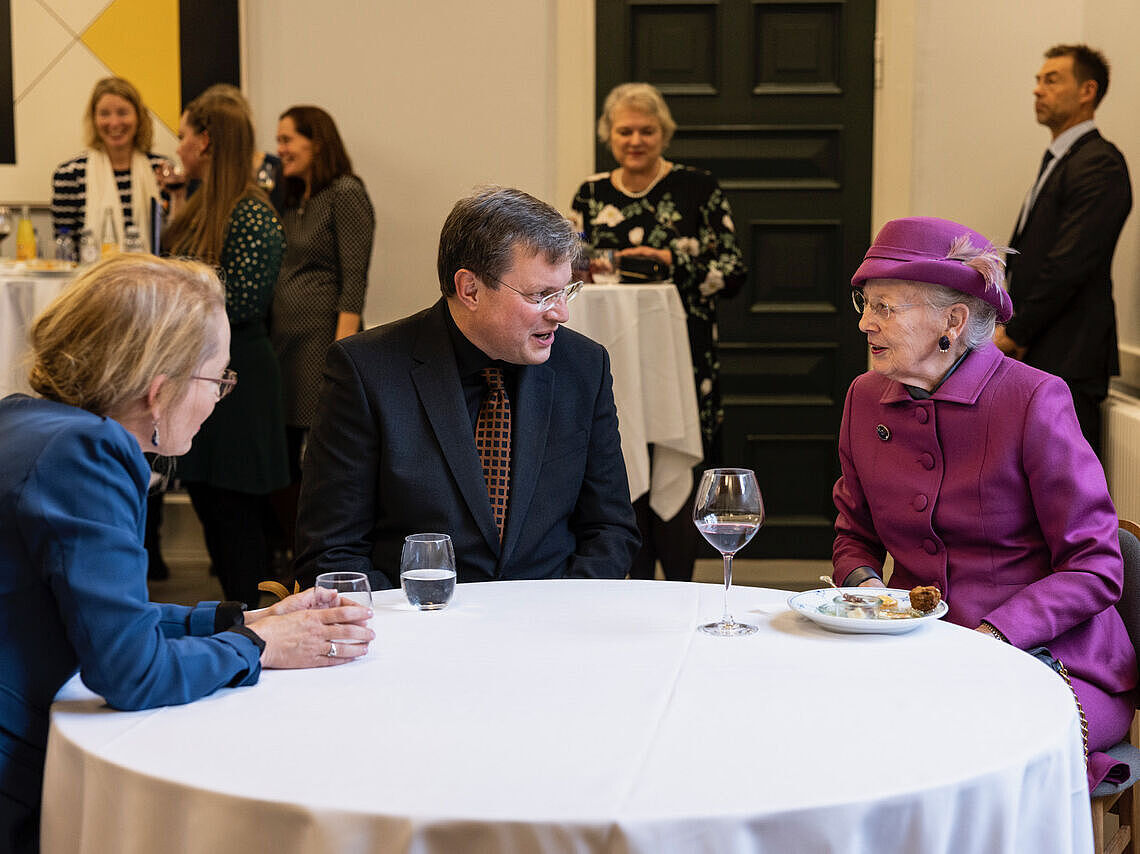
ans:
(591, 716)
(24, 293)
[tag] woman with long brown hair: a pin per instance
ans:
(239, 456)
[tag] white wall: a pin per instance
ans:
(431, 99)
(955, 131)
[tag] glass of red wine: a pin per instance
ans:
(728, 511)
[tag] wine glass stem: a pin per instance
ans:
(727, 618)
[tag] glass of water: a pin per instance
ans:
(427, 570)
(350, 585)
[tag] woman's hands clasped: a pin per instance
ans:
(311, 629)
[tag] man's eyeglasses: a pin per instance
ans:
(225, 383)
(878, 308)
(544, 302)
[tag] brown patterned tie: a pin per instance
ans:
(493, 441)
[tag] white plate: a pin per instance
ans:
(808, 604)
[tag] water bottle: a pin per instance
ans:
(132, 240)
(110, 240)
(88, 248)
(65, 246)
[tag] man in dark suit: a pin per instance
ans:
(397, 446)
(1064, 319)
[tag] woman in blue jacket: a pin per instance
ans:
(131, 358)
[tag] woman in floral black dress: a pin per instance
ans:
(677, 218)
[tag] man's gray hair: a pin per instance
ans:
(483, 229)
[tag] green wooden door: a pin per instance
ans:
(775, 99)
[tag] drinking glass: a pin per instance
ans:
(173, 175)
(728, 511)
(604, 266)
(267, 176)
(427, 570)
(5, 226)
(351, 585)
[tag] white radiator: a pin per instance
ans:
(1122, 453)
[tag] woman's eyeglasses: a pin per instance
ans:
(225, 383)
(878, 308)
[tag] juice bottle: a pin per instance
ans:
(25, 237)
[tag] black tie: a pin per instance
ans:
(1031, 197)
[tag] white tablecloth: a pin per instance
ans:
(643, 327)
(591, 716)
(23, 295)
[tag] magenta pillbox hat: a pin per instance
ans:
(938, 252)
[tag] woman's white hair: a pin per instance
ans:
(983, 317)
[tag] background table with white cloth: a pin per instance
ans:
(23, 295)
(581, 715)
(644, 329)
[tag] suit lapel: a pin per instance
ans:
(1053, 178)
(436, 379)
(530, 413)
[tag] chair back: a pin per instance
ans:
(1129, 604)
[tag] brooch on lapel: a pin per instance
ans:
(883, 432)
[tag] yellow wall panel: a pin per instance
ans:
(138, 40)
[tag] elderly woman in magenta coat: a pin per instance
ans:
(970, 469)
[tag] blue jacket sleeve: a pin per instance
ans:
(82, 513)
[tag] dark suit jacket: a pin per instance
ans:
(392, 453)
(1061, 281)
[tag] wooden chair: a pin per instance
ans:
(278, 589)
(1123, 798)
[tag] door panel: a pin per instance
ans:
(774, 99)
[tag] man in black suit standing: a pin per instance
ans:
(1064, 320)
(480, 417)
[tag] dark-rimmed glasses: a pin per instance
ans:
(545, 303)
(225, 383)
(878, 308)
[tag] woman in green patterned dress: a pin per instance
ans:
(675, 221)
(239, 455)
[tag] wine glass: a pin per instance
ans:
(728, 511)
(5, 226)
(427, 570)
